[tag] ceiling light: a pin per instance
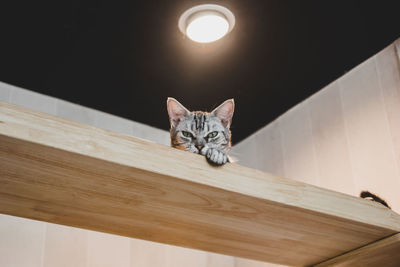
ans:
(206, 23)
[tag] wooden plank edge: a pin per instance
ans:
(384, 252)
(197, 221)
(121, 149)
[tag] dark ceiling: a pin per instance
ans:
(126, 57)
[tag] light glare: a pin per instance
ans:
(207, 28)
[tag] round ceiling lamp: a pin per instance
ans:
(206, 23)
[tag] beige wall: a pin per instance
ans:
(29, 243)
(57, 107)
(346, 137)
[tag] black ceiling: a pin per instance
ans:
(126, 57)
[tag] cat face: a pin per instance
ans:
(199, 131)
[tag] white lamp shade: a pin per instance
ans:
(206, 23)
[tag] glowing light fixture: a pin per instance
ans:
(206, 23)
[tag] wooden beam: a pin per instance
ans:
(385, 252)
(64, 172)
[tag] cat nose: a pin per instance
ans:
(199, 147)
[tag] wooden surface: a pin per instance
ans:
(68, 173)
(384, 253)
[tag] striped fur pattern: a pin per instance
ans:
(205, 133)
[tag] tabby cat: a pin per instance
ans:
(202, 132)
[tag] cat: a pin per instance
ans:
(373, 197)
(205, 133)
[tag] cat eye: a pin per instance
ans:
(212, 134)
(187, 134)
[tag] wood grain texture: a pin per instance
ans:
(63, 172)
(385, 252)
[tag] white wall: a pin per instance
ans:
(29, 243)
(74, 112)
(346, 137)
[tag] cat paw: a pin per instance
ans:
(216, 157)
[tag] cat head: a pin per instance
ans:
(197, 131)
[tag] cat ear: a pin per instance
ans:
(176, 111)
(225, 112)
